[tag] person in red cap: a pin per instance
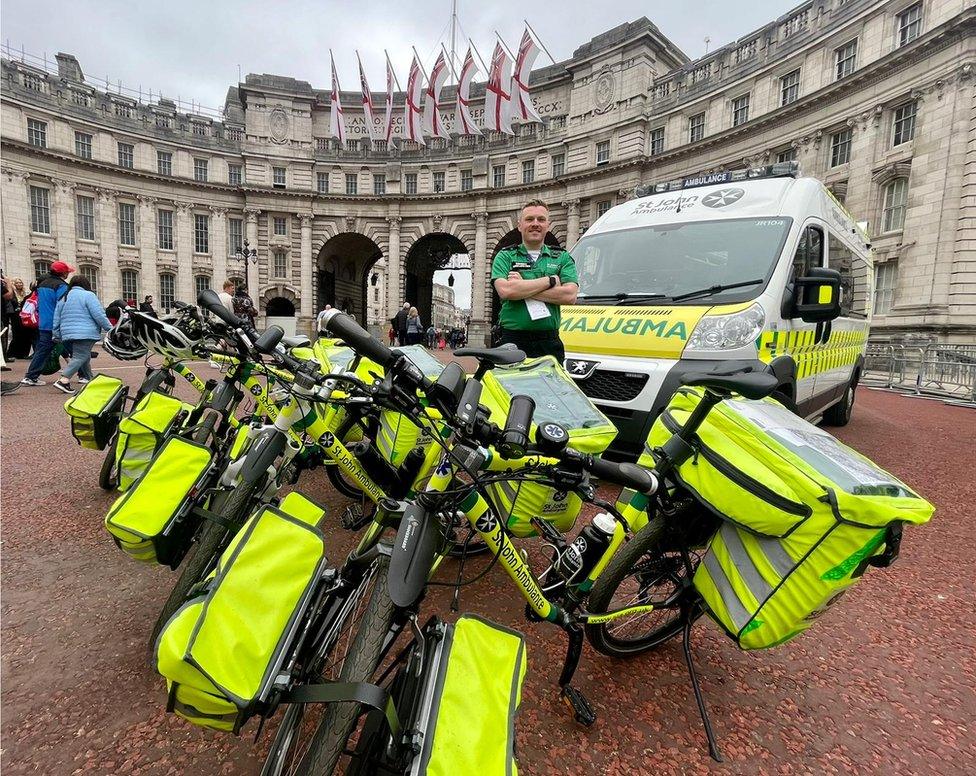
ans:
(49, 291)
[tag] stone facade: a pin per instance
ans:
(874, 97)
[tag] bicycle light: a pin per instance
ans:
(515, 437)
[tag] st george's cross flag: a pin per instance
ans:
(498, 103)
(465, 126)
(433, 124)
(522, 107)
(412, 128)
(337, 122)
(373, 132)
(388, 123)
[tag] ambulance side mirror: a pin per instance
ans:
(816, 297)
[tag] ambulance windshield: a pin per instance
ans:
(664, 261)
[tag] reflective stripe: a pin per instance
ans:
(721, 582)
(776, 554)
(751, 575)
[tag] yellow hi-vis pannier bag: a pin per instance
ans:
(471, 700)
(557, 400)
(95, 411)
(221, 651)
(153, 520)
(142, 432)
(802, 515)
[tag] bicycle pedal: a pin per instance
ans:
(582, 710)
(353, 517)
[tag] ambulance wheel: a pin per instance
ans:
(840, 413)
(107, 476)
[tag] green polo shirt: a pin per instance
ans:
(514, 314)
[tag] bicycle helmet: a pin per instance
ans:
(121, 343)
(172, 337)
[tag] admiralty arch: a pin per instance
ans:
(874, 97)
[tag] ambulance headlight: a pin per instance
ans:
(727, 332)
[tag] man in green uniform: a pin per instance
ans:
(533, 280)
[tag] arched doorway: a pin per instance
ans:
(511, 240)
(343, 268)
(279, 308)
(440, 253)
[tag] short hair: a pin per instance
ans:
(80, 281)
(229, 284)
(535, 203)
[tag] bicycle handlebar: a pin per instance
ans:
(627, 475)
(360, 340)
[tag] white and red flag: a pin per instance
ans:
(433, 124)
(522, 107)
(412, 127)
(373, 132)
(465, 126)
(337, 122)
(498, 102)
(388, 124)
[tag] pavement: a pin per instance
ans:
(884, 683)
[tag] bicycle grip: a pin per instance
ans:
(356, 337)
(209, 301)
(629, 475)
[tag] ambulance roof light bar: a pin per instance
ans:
(777, 170)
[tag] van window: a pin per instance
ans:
(853, 271)
(809, 252)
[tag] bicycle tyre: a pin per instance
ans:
(649, 541)
(346, 487)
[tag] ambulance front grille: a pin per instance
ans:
(612, 386)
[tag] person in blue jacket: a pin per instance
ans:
(49, 292)
(79, 321)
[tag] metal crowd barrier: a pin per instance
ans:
(946, 371)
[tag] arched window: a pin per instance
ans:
(167, 290)
(90, 273)
(895, 200)
(41, 268)
(130, 286)
(201, 283)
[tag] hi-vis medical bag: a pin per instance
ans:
(221, 651)
(142, 432)
(802, 515)
(95, 411)
(557, 400)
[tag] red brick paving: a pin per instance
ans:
(884, 683)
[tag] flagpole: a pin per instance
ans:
(453, 73)
(477, 53)
(539, 40)
(420, 64)
(390, 65)
(334, 73)
(507, 51)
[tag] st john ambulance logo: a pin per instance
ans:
(327, 439)
(722, 197)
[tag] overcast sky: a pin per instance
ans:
(193, 49)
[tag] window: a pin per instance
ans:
(322, 182)
(164, 229)
(278, 177)
(696, 128)
(438, 178)
(40, 204)
(80, 98)
(164, 162)
(885, 281)
(200, 130)
(167, 291)
(895, 200)
(201, 233)
(127, 223)
(164, 122)
(85, 217)
(840, 147)
(130, 285)
(657, 141)
(280, 225)
(123, 110)
(903, 125)
(125, 155)
(603, 207)
(200, 283)
(853, 271)
(280, 264)
(467, 180)
(789, 155)
(352, 183)
(789, 86)
(379, 185)
(909, 24)
(200, 170)
(42, 267)
(603, 152)
(33, 82)
(498, 175)
(90, 273)
(235, 233)
(528, 171)
(411, 183)
(83, 145)
(234, 176)
(558, 165)
(809, 252)
(846, 58)
(740, 110)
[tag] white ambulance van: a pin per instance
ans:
(737, 266)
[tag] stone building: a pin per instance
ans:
(875, 97)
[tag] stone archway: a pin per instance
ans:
(511, 240)
(278, 303)
(427, 255)
(342, 272)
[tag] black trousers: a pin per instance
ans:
(535, 343)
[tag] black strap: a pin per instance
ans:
(362, 693)
(213, 517)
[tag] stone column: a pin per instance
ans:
(148, 280)
(251, 235)
(218, 246)
(480, 271)
(394, 294)
(63, 211)
(184, 252)
(108, 238)
(572, 222)
(15, 246)
(305, 283)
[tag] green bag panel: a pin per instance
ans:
(471, 727)
(240, 444)
(154, 412)
(147, 512)
(94, 410)
(557, 400)
(100, 393)
(397, 435)
(302, 508)
(142, 432)
(520, 501)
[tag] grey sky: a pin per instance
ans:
(192, 49)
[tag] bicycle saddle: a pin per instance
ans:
(299, 341)
(503, 355)
(732, 377)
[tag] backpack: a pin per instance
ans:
(29, 318)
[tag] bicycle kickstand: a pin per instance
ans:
(574, 697)
(699, 698)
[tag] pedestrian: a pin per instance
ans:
(533, 281)
(146, 306)
(78, 322)
(415, 327)
(244, 306)
(399, 322)
(431, 334)
(442, 341)
(227, 295)
(392, 335)
(320, 319)
(50, 291)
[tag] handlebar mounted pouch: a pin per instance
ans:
(142, 432)
(557, 400)
(221, 652)
(153, 520)
(95, 411)
(397, 434)
(802, 515)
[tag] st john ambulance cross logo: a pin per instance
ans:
(722, 197)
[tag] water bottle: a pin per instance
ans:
(586, 550)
